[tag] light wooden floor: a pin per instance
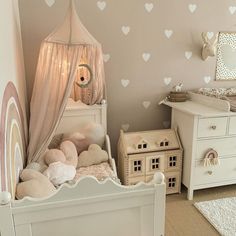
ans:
(183, 219)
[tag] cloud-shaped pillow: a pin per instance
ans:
(95, 155)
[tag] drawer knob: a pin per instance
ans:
(213, 127)
(210, 172)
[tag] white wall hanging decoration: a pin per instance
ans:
(148, 7)
(68, 56)
(106, 57)
(101, 5)
(207, 79)
(50, 3)
(125, 30)
(146, 56)
(125, 127)
(192, 7)
(167, 80)
(188, 55)
(146, 104)
(226, 56)
(168, 33)
(209, 47)
(210, 35)
(232, 9)
(125, 82)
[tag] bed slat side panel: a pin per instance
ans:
(131, 212)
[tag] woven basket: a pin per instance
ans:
(178, 96)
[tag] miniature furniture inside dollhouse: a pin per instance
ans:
(207, 131)
(141, 154)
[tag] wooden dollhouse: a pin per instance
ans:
(141, 154)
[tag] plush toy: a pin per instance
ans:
(95, 155)
(61, 163)
(95, 133)
(59, 173)
(79, 140)
(34, 184)
(91, 134)
(40, 166)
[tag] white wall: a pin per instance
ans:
(11, 59)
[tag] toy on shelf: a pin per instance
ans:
(142, 154)
(178, 95)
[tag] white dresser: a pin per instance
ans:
(206, 123)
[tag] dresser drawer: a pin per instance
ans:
(212, 127)
(215, 174)
(223, 146)
(232, 125)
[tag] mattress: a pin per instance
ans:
(101, 172)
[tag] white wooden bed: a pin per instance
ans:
(89, 208)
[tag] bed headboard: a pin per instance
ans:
(78, 114)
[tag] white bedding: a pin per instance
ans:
(101, 172)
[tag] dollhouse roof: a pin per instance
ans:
(152, 138)
(139, 139)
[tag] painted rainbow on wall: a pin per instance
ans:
(12, 140)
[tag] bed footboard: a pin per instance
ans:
(90, 208)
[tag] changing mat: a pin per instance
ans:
(228, 94)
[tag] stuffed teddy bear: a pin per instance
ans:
(34, 184)
(91, 134)
(94, 156)
(61, 163)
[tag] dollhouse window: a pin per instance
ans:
(137, 166)
(141, 143)
(171, 182)
(155, 163)
(164, 143)
(172, 161)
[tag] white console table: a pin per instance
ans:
(204, 123)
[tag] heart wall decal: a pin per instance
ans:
(50, 3)
(167, 80)
(210, 35)
(207, 79)
(125, 127)
(148, 7)
(166, 124)
(168, 33)
(146, 104)
(146, 56)
(192, 7)
(125, 82)
(106, 57)
(188, 55)
(101, 5)
(125, 30)
(232, 9)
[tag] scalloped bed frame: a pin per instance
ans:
(89, 208)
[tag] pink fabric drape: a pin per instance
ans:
(61, 53)
(53, 83)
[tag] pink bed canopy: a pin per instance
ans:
(70, 64)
